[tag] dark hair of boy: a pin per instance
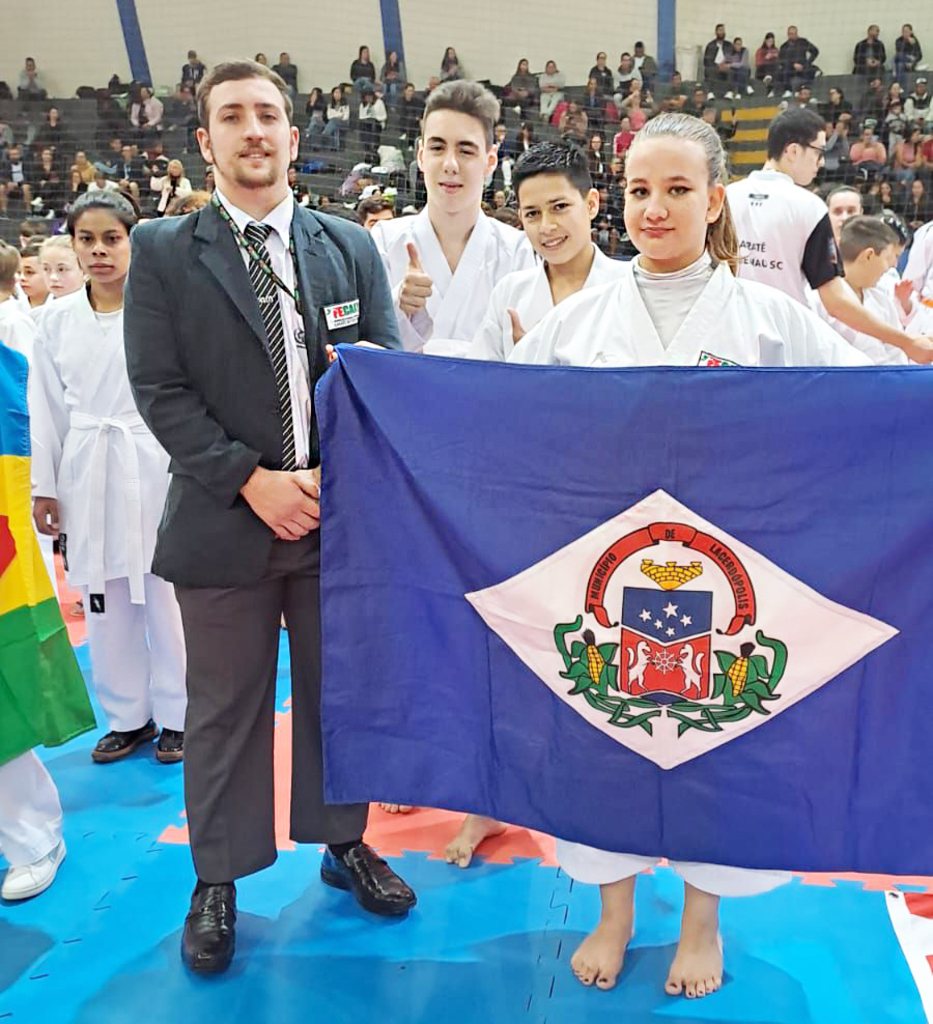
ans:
(861, 233)
(796, 124)
(563, 158)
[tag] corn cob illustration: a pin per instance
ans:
(738, 670)
(594, 660)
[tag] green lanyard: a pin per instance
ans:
(262, 258)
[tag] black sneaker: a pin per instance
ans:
(171, 746)
(116, 745)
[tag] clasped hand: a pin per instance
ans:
(287, 502)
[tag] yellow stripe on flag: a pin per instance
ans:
(23, 579)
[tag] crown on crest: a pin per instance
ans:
(670, 576)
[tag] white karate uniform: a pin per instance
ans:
(740, 322)
(919, 269)
(93, 452)
(528, 292)
(30, 811)
(18, 332)
(880, 302)
(458, 301)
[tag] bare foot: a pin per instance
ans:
(473, 831)
(396, 808)
(599, 957)
(697, 967)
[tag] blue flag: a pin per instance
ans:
(681, 612)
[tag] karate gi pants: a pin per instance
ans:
(138, 655)
(30, 811)
(601, 867)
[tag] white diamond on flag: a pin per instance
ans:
(671, 636)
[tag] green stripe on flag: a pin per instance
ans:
(43, 698)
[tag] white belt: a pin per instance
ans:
(125, 427)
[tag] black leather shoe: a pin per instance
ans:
(171, 746)
(375, 885)
(115, 745)
(209, 939)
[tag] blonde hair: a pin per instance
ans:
(56, 242)
(722, 241)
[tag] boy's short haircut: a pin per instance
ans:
(796, 124)
(563, 158)
(469, 98)
(9, 265)
(839, 189)
(373, 204)
(31, 251)
(861, 233)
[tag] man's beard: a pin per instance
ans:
(245, 180)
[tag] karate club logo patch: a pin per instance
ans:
(680, 638)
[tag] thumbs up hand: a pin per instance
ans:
(518, 332)
(416, 285)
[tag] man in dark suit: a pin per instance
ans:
(228, 312)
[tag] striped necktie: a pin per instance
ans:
(267, 295)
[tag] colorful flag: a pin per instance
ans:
(679, 611)
(43, 699)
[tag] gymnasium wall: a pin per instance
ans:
(84, 45)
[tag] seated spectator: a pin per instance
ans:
(146, 113)
(907, 54)
(726, 129)
(316, 112)
(908, 158)
(170, 186)
(674, 94)
(739, 71)
(392, 77)
(181, 119)
(895, 92)
(594, 106)
(410, 111)
(623, 138)
(7, 137)
(451, 68)
(76, 187)
(109, 158)
(573, 123)
(31, 85)
(596, 159)
(550, 86)
(797, 56)
(637, 107)
(54, 135)
(626, 74)
(887, 199)
(196, 200)
(602, 75)
(646, 66)
(717, 58)
(102, 183)
(836, 163)
(524, 140)
(338, 117)
(260, 58)
(192, 71)
(803, 98)
(836, 105)
(155, 161)
(522, 90)
(768, 62)
(868, 154)
(82, 165)
(362, 70)
(373, 209)
(894, 127)
(869, 54)
(873, 102)
(288, 72)
(697, 102)
(917, 210)
(131, 171)
(14, 184)
(926, 151)
(372, 120)
(299, 193)
(917, 107)
(49, 180)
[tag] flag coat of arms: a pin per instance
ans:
(673, 611)
(43, 698)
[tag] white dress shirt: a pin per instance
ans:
(280, 220)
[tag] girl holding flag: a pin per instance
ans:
(678, 303)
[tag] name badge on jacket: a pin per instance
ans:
(342, 314)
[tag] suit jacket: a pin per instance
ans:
(198, 363)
